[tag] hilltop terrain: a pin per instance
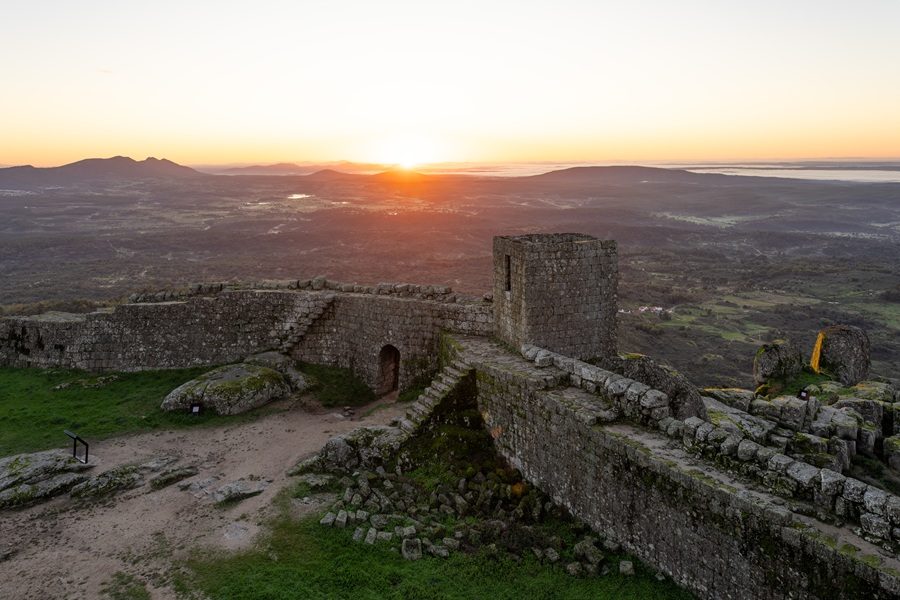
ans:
(711, 265)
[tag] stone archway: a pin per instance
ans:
(388, 370)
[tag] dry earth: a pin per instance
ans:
(68, 549)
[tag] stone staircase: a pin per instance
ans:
(296, 328)
(424, 406)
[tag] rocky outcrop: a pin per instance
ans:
(229, 390)
(29, 478)
(844, 351)
(362, 448)
(778, 360)
(110, 482)
(285, 365)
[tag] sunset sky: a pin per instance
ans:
(424, 81)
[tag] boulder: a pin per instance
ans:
(778, 360)
(684, 397)
(871, 411)
(364, 447)
(229, 390)
(844, 351)
(285, 365)
(240, 489)
(737, 421)
(411, 548)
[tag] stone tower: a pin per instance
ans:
(556, 291)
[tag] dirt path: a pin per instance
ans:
(64, 549)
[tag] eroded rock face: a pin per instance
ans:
(778, 360)
(28, 478)
(230, 390)
(845, 352)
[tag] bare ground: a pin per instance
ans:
(68, 549)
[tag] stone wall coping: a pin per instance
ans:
(440, 293)
(877, 511)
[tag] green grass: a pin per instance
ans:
(334, 386)
(33, 415)
(122, 586)
(301, 559)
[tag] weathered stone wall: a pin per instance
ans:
(200, 331)
(717, 534)
(557, 291)
(324, 326)
(356, 327)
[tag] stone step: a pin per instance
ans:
(448, 380)
(407, 425)
(419, 410)
(435, 395)
(461, 365)
(427, 401)
(452, 372)
(440, 386)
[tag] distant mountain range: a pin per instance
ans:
(615, 174)
(299, 169)
(95, 169)
(122, 168)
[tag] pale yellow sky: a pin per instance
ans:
(263, 81)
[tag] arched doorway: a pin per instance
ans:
(388, 370)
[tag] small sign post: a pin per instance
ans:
(76, 439)
(196, 408)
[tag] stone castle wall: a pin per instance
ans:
(355, 328)
(337, 328)
(716, 534)
(557, 291)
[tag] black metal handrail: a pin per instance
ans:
(76, 439)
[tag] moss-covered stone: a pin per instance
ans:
(229, 390)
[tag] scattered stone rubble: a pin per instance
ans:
(485, 512)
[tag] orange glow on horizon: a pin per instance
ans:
(408, 83)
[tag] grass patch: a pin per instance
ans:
(33, 414)
(301, 559)
(334, 386)
(410, 394)
(123, 586)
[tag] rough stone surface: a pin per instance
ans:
(633, 487)
(109, 482)
(283, 364)
(685, 399)
(547, 286)
(778, 360)
(845, 352)
(229, 390)
(411, 549)
(240, 489)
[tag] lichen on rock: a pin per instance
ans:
(229, 390)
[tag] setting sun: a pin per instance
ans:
(406, 151)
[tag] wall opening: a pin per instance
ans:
(508, 267)
(388, 370)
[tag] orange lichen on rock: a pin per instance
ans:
(817, 353)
